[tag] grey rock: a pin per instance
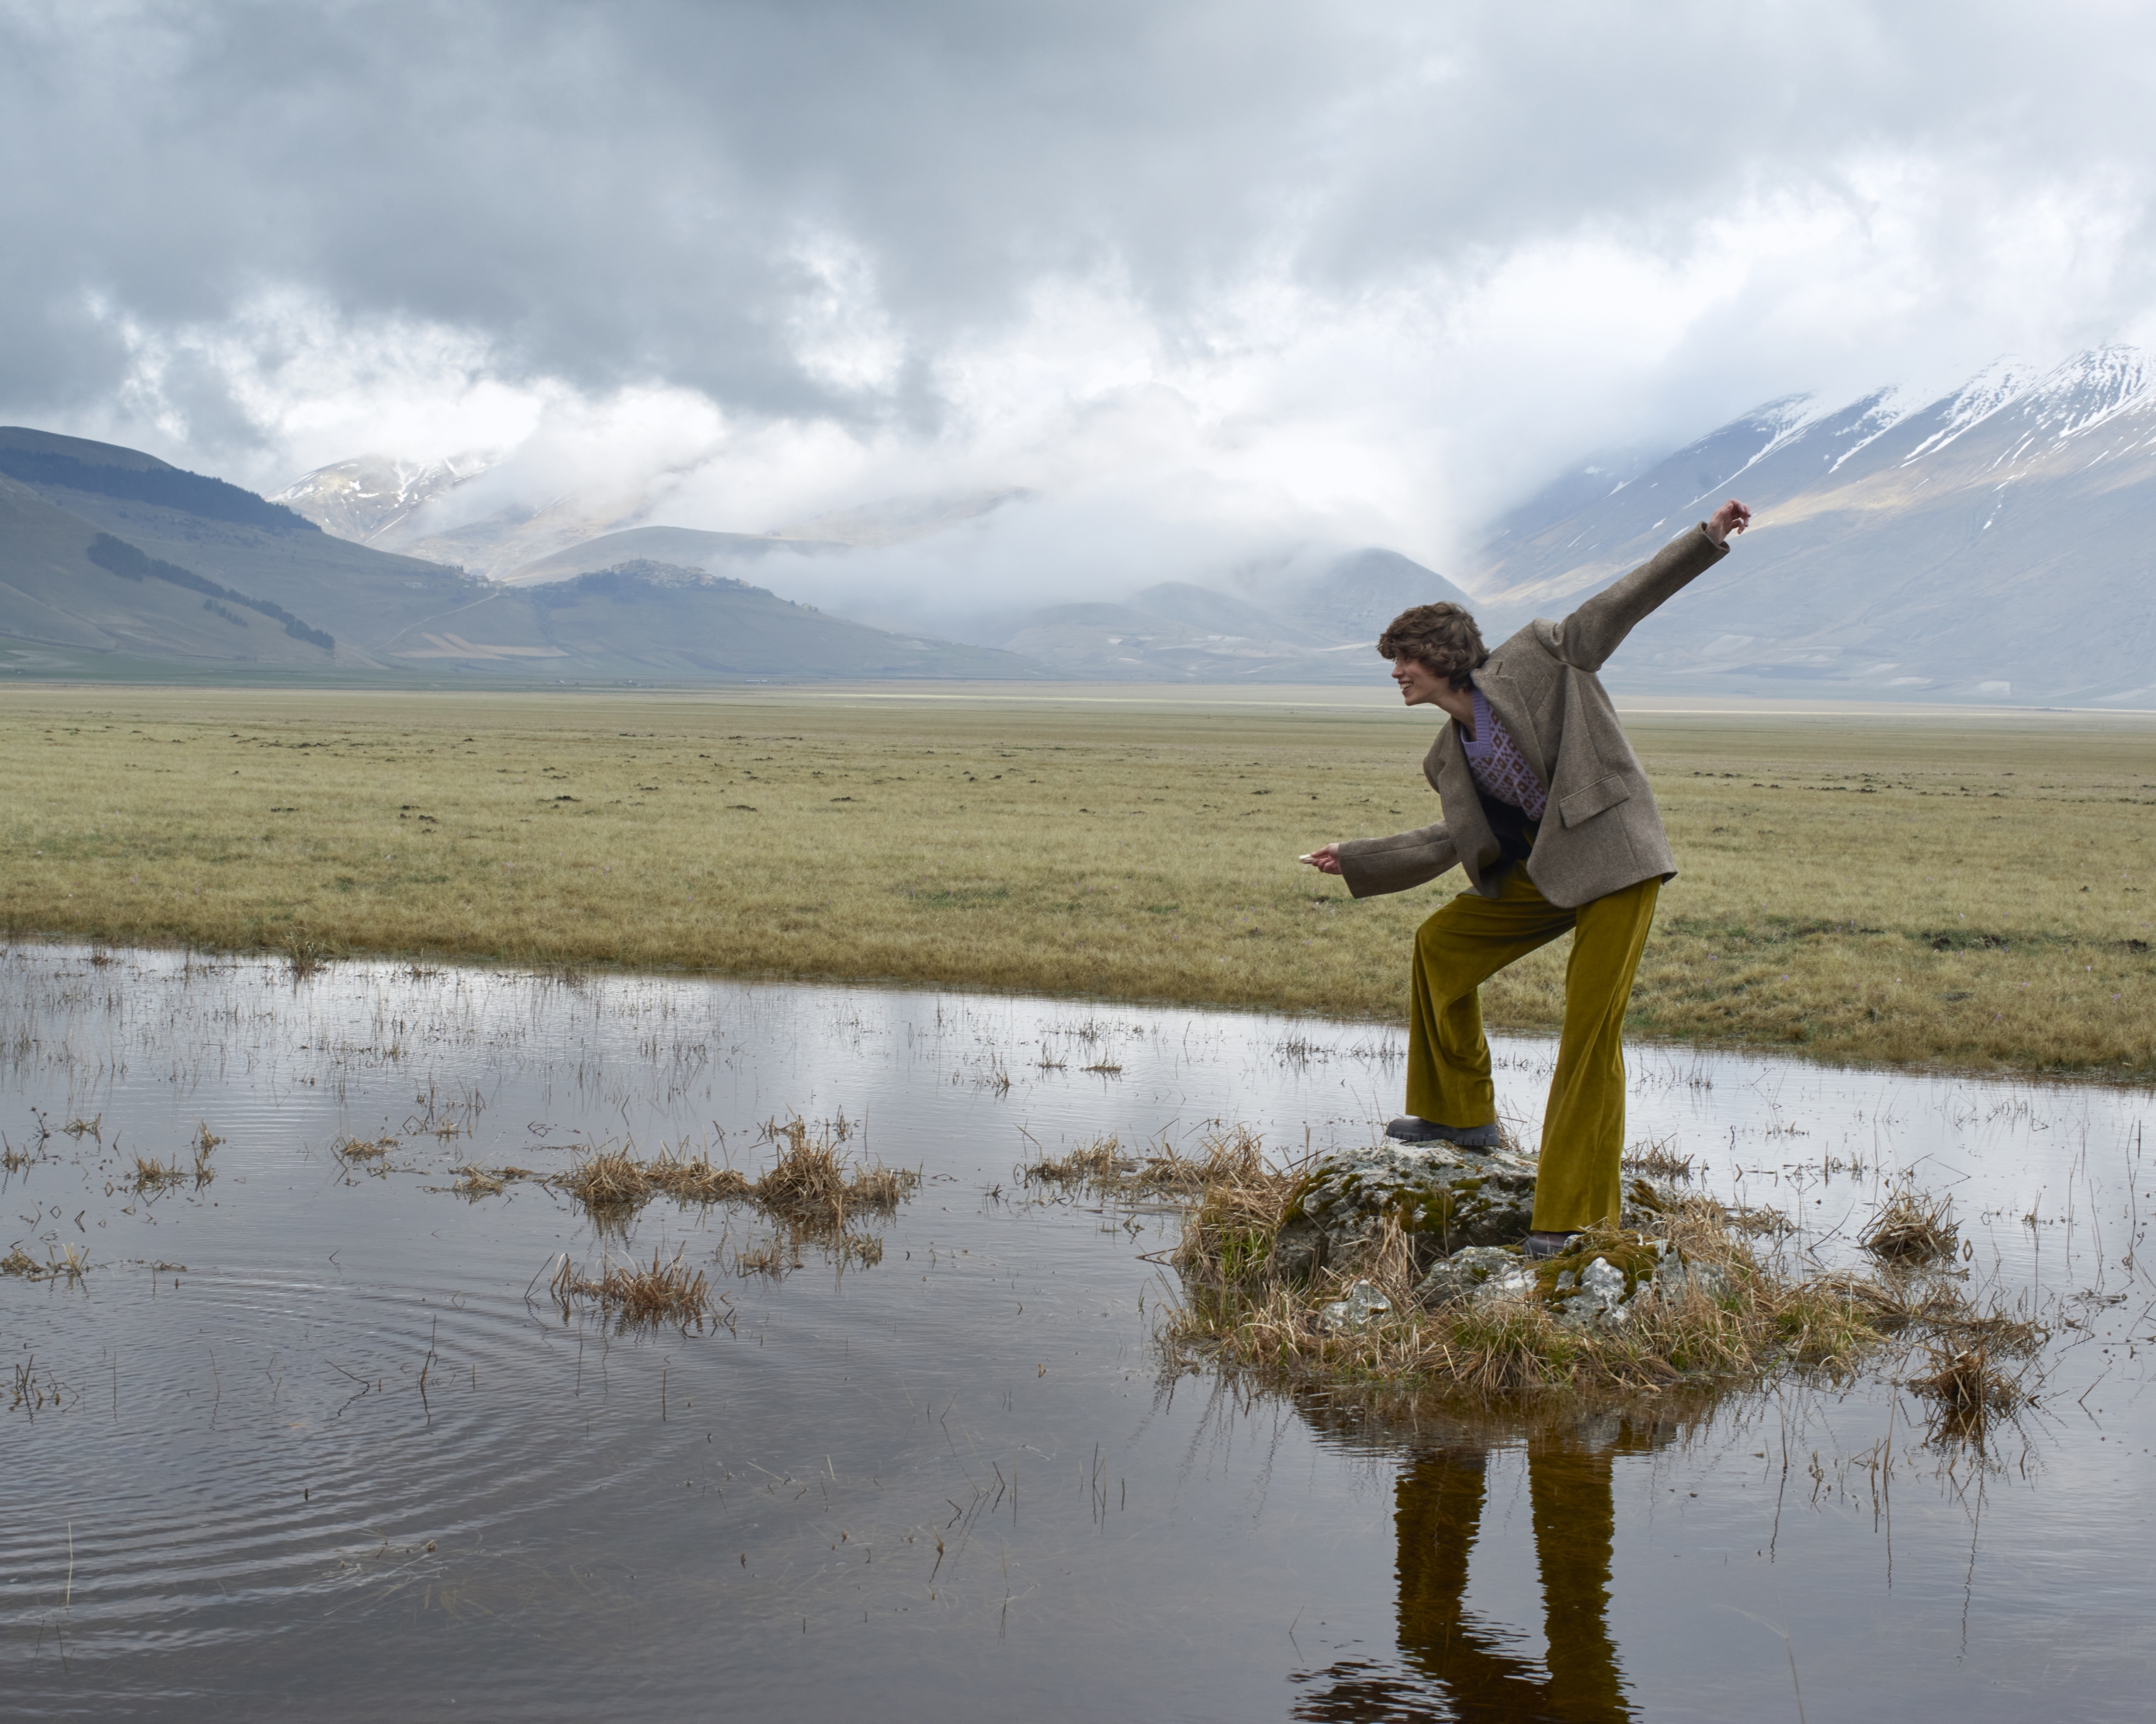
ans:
(1446, 1198)
(1364, 1302)
(1589, 1295)
(1477, 1271)
(1597, 1297)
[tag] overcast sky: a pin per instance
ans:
(1197, 271)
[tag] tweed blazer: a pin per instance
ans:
(1602, 831)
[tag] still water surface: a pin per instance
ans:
(309, 1438)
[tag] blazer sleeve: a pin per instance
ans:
(1587, 638)
(1375, 865)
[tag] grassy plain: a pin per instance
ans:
(1968, 890)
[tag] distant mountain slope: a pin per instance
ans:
(1317, 624)
(61, 606)
(99, 578)
(650, 621)
(39, 457)
(1992, 544)
(685, 547)
(359, 596)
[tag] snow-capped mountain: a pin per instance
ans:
(366, 499)
(1991, 543)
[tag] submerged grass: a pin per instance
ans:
(1971, 890)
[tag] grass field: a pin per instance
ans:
(1970, 889)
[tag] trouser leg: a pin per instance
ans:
(1584, 1127)
(1463, 944)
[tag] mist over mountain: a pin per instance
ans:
(1982, 544)
(1985, 544)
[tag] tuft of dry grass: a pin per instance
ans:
(475, 1181)
(637, 1296)
(353, 1150)
(1911, 958)
(303, 952)
(205, 1141)
(69, 1264)
(1658, 1160)
(696, 1181)
(151, 1175)
(609, 1181)
(1911, 1227)
(1224, 1158)
(812, 1189)
(813, 1181)
(1097, 1163)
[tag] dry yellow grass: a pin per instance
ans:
(1967, 889)
(1745, 1322)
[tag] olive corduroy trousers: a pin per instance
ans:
(1469, 941)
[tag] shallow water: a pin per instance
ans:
(310, 1436)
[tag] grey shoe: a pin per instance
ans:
(1408, 1129)
(1537, 1247)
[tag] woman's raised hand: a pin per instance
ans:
(1732, 517)
(1325, 861)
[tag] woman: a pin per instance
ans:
(1548, 814)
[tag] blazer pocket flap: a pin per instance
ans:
(1590, 800)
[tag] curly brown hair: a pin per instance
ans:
(1442, 636)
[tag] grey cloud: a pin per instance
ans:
(622, 193)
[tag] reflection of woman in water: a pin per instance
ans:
(1548, 814)
(1473, 1664)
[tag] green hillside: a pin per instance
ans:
(61, 605)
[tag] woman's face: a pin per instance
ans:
(1418, 684)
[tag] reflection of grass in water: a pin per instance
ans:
(1868, 939)
(1967, 1388)
(1739, 1318)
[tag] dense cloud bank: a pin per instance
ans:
(1358, 272)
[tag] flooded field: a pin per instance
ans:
(295, 1419)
